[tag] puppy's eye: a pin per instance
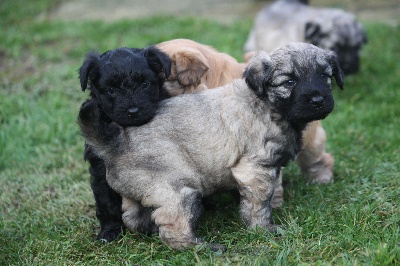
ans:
(327, 78)
(290, 83)
(145, 84)
(111, 91)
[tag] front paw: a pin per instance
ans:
(89, 111)
(111, 130)
(275, 229)
(109, 234)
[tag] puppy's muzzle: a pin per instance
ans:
(317, 102)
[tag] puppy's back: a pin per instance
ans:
(196, 131)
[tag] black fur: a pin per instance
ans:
(346, 48)
(127, 84)
(147, 226)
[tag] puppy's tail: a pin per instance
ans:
(105, 138)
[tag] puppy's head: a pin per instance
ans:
(342, 35)
(126, 82)
(296, 81)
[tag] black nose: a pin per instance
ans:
(317, 102)
(133, 111)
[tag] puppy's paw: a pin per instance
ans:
(112, 129)
(110, 234)
(321, 171)
(89, 111)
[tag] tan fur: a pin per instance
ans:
(196, 67)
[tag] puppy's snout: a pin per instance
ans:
(133, 111)
(317, 101)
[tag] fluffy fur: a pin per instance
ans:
(127, 84)
(236, 136)
(291, 20)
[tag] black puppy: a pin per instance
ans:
(127, 84)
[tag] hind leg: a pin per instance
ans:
(176, 217)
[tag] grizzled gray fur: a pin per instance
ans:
(234, 137)
(331, 29)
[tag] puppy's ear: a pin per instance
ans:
(158, 61)
(258, 71)
(337, 71)
(364, 39)
(312, 30)
(90, 69)
(248, 55)
(190, 67)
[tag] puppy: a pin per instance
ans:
(127, 84)
(236, 136)
(291, 20)
(196, 67)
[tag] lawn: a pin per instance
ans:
(47, 214)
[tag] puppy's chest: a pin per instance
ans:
(281, 149)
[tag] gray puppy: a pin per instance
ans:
(234, 137)
(294, 21)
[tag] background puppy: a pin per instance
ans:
(328, 28)
(236, 136)
(127, 84)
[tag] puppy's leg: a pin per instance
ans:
(108, 202)
(277, 198)
(256, 188)
(138, 218)
(176, 218)
(313, 160)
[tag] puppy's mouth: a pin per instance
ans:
(133, 122)
(136, 119)
(317, 108)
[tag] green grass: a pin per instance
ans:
(47, 210)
